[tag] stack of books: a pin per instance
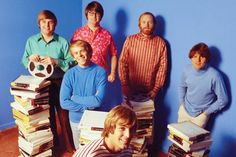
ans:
(189, 140)
(144, 134)
(91, 126)
(31, 113)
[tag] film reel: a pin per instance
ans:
(40, 70)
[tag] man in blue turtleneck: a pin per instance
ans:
(202, 90)
(83, 86)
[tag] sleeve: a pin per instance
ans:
(182, 89)
(95, 100)
(221, 95)
(123, 64)
(66, 92)
(67, 60)
(113, 48)
(27, 53)
(162, 70)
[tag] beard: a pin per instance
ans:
(146, 31)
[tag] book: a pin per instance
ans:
(175, 151)
(27, 118)
(176, 136)
(92, 120)
(188, 131)
(147, 106)
(37, 135)
(29, 94)
(137, 154)
(29, 109)
(32, 102)
(29, 82)
(191, 147)
(91, 126)
(138, 144)
(200, 153)
(42, 87)
(90, 135)
(144, 109)
(46, 153)
(26, 128)
(33, 149)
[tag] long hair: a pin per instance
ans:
(119, 115)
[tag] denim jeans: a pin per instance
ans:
(75, 133)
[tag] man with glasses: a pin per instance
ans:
(99, 38)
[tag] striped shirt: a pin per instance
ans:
(143, 63)
(98, 149)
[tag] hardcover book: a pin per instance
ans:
(29, 94)
(29, 82)
(191, 147)
(32, 102)
(188, 131)
(33, 149)
(29, 109)
(27, 118)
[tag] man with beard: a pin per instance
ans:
(143, 61)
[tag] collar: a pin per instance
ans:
(145, 37)
(40, 37)
(200, 71)
(99, 28)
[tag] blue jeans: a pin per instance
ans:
(75, 133)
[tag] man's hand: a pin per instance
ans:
(48, 60)
(111, 77)
(34, 58)
(152, 95)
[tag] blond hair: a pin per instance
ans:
(81, 43)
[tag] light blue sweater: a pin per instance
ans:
(81, 89)
(202, 90)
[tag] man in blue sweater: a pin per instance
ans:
(202, 90)
(83, 86)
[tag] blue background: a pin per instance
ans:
(181, 23)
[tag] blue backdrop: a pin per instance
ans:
(18, 22)
(181, 23)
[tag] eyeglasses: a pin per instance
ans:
(93, 13)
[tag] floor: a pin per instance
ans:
(9, 146)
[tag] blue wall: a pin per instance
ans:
(18, 22)
(181, 23)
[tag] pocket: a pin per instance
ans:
(202, 119)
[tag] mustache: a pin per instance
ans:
(146, 28)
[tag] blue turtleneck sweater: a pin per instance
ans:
(81, 89)
(202, 90)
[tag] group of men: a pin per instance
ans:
(142, 69)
